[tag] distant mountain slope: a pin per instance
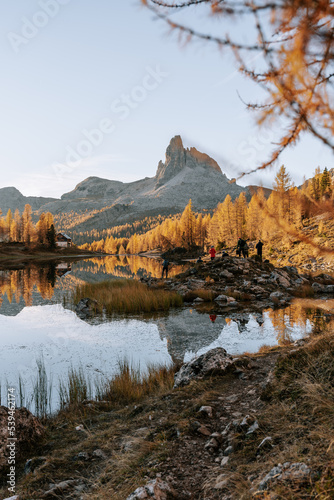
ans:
(11, 198)
(97, 203)
(185, 174)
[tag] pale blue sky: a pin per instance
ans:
(69, 66)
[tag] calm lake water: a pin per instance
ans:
(37, 322)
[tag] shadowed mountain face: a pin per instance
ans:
(185, 174)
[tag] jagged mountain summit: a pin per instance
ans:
(185, 173)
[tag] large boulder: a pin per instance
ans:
(214, 362)
(22, 438)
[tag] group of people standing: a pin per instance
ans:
(242, 249)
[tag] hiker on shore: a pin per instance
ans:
(199, 260)
(212, 252)
(165, 265)
(258, 247)
(245, 249)
(240, 246)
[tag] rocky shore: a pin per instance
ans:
(237, 281)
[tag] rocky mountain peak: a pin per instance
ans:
(178, 158)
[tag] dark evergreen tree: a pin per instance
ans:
(51, 237)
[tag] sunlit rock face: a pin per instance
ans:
(185, 174)
(178, 158)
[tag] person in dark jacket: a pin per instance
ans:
(258, 247)
(165, 265)
(240, 246)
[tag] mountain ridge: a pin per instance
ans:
(186, 173)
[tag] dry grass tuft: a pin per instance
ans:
(127, 296)
(130, 386)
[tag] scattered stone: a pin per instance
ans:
(226, 274)
(221, 482)
(207, 410)
(228, 451)
(317, 287)
(80, 428)
(155, 490)
(212, 444)
(276, 296)
(204, 430)
(224, 461)
(221, 298)
(198, 300)
(60, 489)
(253, 428)
(86, 307)
(296, 472)
(99, 454)
(33, 463)
(267, 442)
(83, 455)
(214, 362)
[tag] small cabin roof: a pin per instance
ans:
(64, 235)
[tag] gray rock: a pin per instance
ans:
(226, 274)
(329, 288)
(224, 461)
(33, 463)
(253, 428)
(276, 296)
(296, 472)
(207, 410)
(228, 450)
(317, 287)
(221, 298)
(216, 361)
(267, 442)
(60, 489)
(85, 307)
(154, 490)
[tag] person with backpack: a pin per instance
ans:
(240, 246)
(165, 265)
(258, 247)
(245, 250)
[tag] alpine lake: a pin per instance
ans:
(39, 324)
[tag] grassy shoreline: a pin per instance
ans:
(142, 433)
